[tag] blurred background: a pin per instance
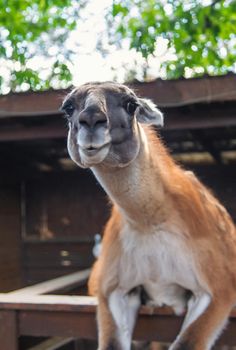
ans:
(181, 54)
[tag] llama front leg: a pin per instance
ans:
(116, 319)
(204, 321)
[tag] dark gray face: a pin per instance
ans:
(103, 123)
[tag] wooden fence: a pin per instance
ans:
(34, 311)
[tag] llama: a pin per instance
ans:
(167, 233)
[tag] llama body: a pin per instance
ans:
(167, 233)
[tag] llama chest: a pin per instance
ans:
(159, 260)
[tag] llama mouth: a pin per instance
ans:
(93, 151)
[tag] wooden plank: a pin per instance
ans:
(8, 330)
(34, 132)
(28, 103)
(85, 304)
(164, 328)
(52, 343)
(204, 116)
(75, 317)
(209, 116)
(164, 92)
(66, 324)
(155, 327)
(57, 284)
(35, 275)
(10, 239)
(10, 301)
(182, 92)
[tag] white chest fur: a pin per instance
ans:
(161, 261)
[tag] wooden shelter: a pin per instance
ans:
(50, 209)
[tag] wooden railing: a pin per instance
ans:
(32, 312)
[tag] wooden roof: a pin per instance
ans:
(166, 93)
(176, 98)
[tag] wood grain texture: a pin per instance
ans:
(8, 330)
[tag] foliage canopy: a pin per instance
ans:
(201, 33)
(33, 53)
(36, 28)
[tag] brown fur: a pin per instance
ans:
(201, 218)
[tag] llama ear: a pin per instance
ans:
(148, 113)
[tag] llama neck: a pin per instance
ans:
(137, 189)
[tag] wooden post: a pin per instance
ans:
(8, 330)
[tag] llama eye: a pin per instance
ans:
(68, 109)
(131, 107)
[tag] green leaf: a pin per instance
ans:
(29, 28)
(194, 29)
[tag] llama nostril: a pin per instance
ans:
(84, 123)
(100, 123)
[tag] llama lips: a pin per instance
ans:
(91, 151)
(91, 156)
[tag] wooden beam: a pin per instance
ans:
(161, 327)
(72, 316)
(33, 133)
(183, 92)
(11, 301)
(52, 343)
(204, 116)
(78, 325)
(207, 144)
(166, 93)
(31, 103)
(185, 118)
(8, 330)
(55, 285)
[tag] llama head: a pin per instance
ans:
(104, 123)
